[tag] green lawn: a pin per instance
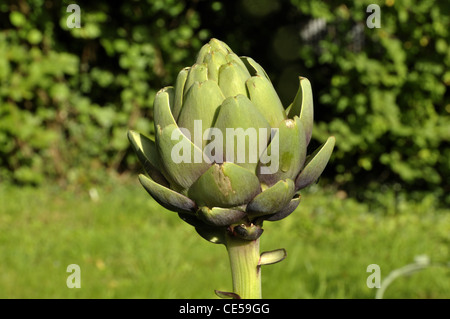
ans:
(129, 247)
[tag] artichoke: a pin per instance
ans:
(219, 189)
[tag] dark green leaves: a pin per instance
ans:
(167, 197)
(271, 199)
(315, 164)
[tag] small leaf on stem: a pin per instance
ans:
(272, 257)
(226, 295)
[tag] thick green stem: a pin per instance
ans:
(246, 274)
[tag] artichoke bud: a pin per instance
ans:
(253, 67)
(286, 210)
(264, 97)
(302, 106)
(234, 58)
(167, 198)
(232, 78)
(226, 185)
(315, 164)
(200, 104)
(179, 92)
(197, 73)
(147, 154)
(271, 199)
(227, 154)
(204, 51)
(214, 60)
(215, 235)
(220, 46)
(162, 108)
(242, 134)
(217, 216)
(290, 156)
(248, 232)
(173, 144)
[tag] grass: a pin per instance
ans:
(129, 247)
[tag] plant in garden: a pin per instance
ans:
(228, 156)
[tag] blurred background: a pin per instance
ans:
(68, 186)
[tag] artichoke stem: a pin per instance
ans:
(246, 273)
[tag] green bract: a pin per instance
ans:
(225, 91)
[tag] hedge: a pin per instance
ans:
(68, 95)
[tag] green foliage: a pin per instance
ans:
(127, 246)
(388, 101)
(383, 92)
(68, 95)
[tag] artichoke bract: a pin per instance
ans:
(227, 155)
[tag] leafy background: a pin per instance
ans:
(68, 97)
